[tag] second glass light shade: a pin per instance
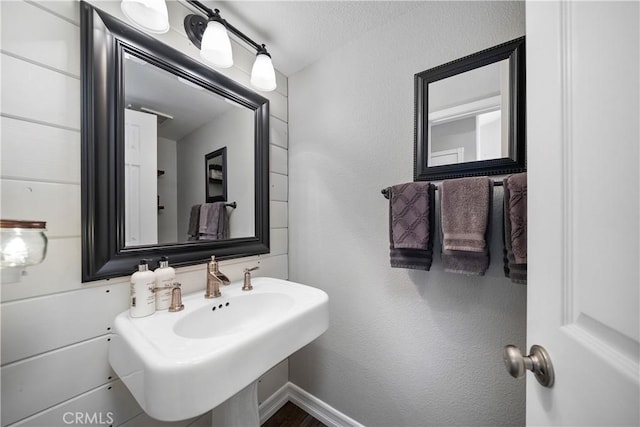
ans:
(263, 76)
(216, 46)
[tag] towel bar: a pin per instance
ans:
(385, 191)
(231, 205)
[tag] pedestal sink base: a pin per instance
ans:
(240, 410)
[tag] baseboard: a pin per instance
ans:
(274, 402)
(320, 410)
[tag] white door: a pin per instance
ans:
(446, 157)
(583, 161)
(141, 178)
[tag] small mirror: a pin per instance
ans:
(215, 170)
(470, 115)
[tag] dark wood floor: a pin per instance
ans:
(292, 416)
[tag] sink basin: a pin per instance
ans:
(236, 314)
(180, 365)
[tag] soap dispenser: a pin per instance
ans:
(165, 279)
(143, 298)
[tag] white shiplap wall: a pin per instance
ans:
(55, 330)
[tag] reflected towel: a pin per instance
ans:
(194, 223)
(515, 227)
(411, 218)
(214, 222)
(466, 224)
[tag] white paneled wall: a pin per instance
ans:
(55, 330)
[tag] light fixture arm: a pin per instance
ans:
(215, 15)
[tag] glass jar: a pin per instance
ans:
(22, 243)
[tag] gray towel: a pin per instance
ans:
(194, 223)
(465, 207)
(466, 224)
(515, 227)
(469, 263)
(411, 218)
(517, 186)
(214, 223)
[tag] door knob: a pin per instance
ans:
(537, 362)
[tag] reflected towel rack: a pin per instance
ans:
(231, 205)
(386, 191)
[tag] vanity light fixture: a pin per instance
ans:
(210, 35)
(263, 76)
(151, 15)
(215, 46)
(22, 243)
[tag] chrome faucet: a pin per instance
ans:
(247, 278)
(176, 295)
(215, 278)
(176, 298)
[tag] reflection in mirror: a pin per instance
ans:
(170, 125)
(469, 116)
(215, 171)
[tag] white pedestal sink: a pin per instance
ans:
(240, 410)
(180, 365)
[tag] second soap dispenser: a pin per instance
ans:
(165, 278)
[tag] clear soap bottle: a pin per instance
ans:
(143, 298)
(165, 278)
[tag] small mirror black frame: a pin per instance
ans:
(514, 51)
(220, 180)
(104, 42)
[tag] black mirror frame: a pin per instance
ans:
(513, 50)
(223, 197)
(104, 255)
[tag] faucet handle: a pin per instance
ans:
(176, 298)
(247, 278)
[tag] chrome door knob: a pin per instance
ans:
(538, 362)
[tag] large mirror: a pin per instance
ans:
(174, 155)
(470, 115)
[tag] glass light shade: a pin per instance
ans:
(22, 243)
(263, 76)
(151, 15)
(216, 46)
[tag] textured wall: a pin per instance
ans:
(404, 347)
